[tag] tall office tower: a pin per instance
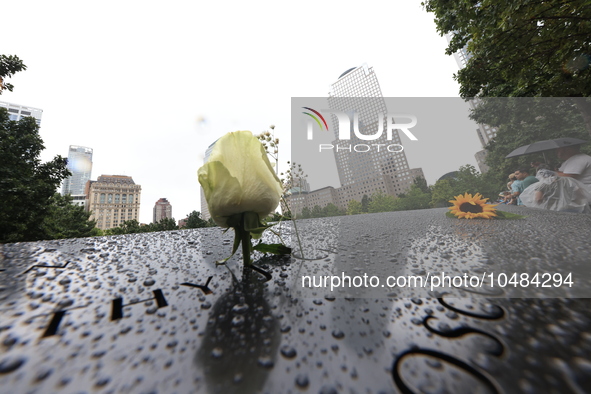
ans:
(17, 112)
(485, 132)
(162, 209)
(80, 165)
(113, 199)
(365, 173)
(462, 56)
(204, 209)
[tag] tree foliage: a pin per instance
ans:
(365, 201)
(522, 121)
(354, 208)
(442, 190)
(133, 227)
(165, 224)
(332, 210)
(519, 48)
(467, 180)
(381, 202)
(127, 227)
(9, 65)
(194, 220)
(27, 185)
(418, 197)
(67, 220)
(306, 213)
(421, 183)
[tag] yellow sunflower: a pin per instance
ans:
(469, 207)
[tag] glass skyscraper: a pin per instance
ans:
(358, 89)
(80, 165)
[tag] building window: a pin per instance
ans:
(131, 198)
(124, 198)
(102, 198)
(110, 199)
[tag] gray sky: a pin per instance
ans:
(150, 85)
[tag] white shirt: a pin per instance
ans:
(579, 165)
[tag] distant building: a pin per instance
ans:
(299, 184)
(485, 132)
(480, 157)
(162, 209)
(80, 165)
(204, 208)
(360, 173)
(367, 173)
(112, 200)
(17, 111)
(182, 222)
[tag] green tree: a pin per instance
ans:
(127, 227)
(165, 224)
(415, 198)
(331, 210)
(316, 212)
(421, 183)
(306, 213)
(97, 232)
(520, 48)
(365, 200)
(467, 180)
(443, 191)
(194, 220)
(9, 65)
(66, 220)
(26, 185)
(354, 208)
(381, 202)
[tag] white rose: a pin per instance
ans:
(238, 178)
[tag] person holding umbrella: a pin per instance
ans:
(576, 165)
(569, 188)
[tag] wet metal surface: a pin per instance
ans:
(153, 313)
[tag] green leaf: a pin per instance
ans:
(272, 248)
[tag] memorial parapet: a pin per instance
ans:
(153, 313)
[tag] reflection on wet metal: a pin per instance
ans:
(461, 331)
(206, 290)
(45, 266)
(154, 313)
(117, 304)
(466, 379)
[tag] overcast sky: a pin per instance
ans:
(149, 85)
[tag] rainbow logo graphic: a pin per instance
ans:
(315, 118)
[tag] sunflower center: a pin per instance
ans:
(467, 207)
